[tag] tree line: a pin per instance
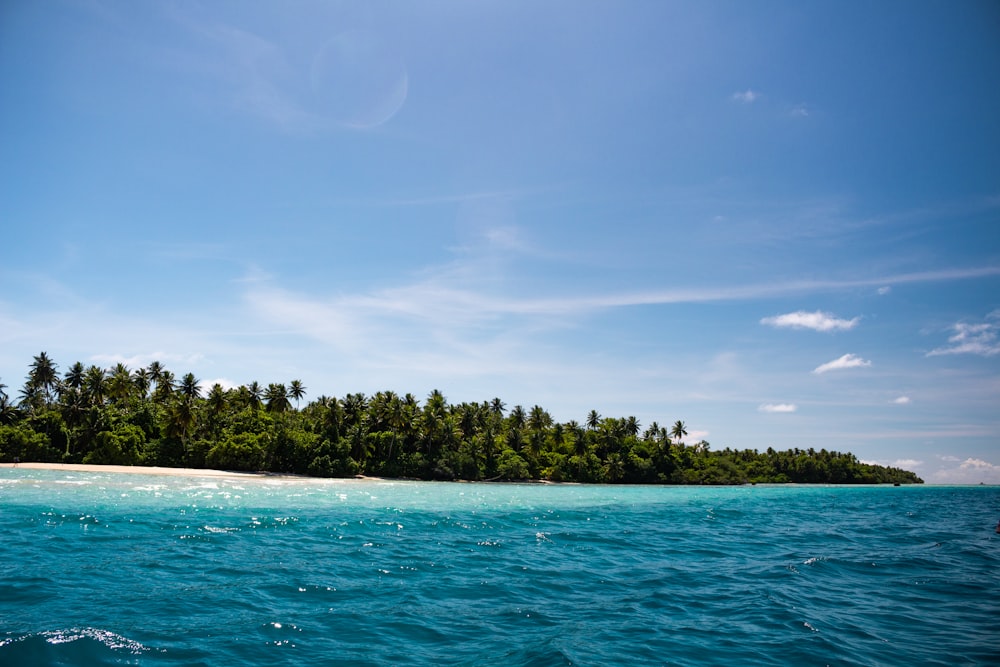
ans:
(147, 416)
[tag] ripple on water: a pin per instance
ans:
(76, 646)
(372, 573)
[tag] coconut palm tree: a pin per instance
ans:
(516, 418)
(632, 426)
(593, 420)
(497, 406)
(297, 390)
(216, 400)
(120, 384)
(156, 371)
(165, 386)
(42, 375)
(95, 386)
(277, 398)
(679, 430)
(255, 395)
(74, 376)
(8, 411)
(539, 419)
(142, 379)
(180, 422)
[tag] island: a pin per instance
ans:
(147, 417)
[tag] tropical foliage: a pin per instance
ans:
(147, 417)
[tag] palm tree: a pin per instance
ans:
(277, 398)
(651, 433)
(354, 406)
(516, 417)
(255, 394)
(679, 430)
(614, 467)
(156, 371)
(8, 411)
(95, 386)
(297, 390)
(43, 374)
(120, 384)
(74, 376)
(189, 387)
(497, 406)
(216, 399)
(142, 379)
(164, 387)
(593, 420)
(539, 419)
(181, 421)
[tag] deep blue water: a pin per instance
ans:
(112, 568)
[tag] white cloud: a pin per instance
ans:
(778, 407)
(696, 436)
(817, 321)
(969, 471)
(746, 97)
(907, 464)
(902, 400)
(846, 361)
(884, 290)
(980, 338)
(800, 111)
(225, 383)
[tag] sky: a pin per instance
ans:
(776, 221)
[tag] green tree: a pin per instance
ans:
(42, 377)
(679, 431)
(297, 390)
(277, 398)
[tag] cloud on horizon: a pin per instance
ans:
(817, 321)
(969, 471)
(846, 361)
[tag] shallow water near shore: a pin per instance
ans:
(112, 568)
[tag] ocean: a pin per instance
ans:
(131, 569)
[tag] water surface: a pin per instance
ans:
(109, 568)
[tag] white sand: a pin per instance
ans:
(153, 470)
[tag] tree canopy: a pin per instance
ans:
(145, 417)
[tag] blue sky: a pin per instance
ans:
(776, 221)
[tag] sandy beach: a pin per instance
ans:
(154, 470)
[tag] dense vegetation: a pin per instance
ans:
(147, 417)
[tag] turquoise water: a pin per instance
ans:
(104, 568)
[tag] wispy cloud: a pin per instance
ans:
(799, 111)
(142, 360)
(846, 361)
(817, 321)
(747, 96)
(902, 400)
(882, 291)
(980, 338)
(778, 407)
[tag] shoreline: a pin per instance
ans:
(175, 472)
(236, 474)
